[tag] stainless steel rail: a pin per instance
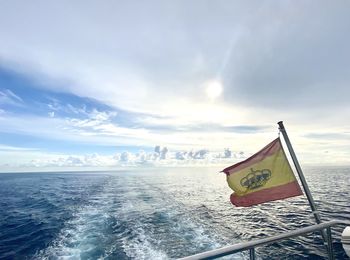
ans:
(251, 245)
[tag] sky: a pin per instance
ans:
(111, 83)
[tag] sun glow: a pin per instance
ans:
(213, 89)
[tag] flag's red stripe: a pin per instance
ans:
(269, 149)
(275, 193)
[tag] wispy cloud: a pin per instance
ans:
(7, 97)
(337, 135)
(15, 148)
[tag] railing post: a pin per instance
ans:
(330, 244)
(252, 253)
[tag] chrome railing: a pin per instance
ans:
(251, 245)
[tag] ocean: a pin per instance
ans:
(157, 213)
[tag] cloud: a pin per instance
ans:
(86, 122)
(296, 58)
(329, 136)
(121, 73)
(7, 97)
(290, 57)
(18, 158)
(259, 50)
(164, 157)
(95, 119)
(15, 148)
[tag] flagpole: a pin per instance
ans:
(300, 173)
(307, 190)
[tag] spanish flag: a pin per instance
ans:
(265, 176)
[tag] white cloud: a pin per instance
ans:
(259, 50)
(8, 97)
(99, 129)
(15, 148)
(163, 158)
(285, 61)
(24, 159)
(138, 62)
(12, 95)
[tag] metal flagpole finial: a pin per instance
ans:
(281, 126)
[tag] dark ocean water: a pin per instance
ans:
(156, 214)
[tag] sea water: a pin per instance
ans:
(159, 213)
